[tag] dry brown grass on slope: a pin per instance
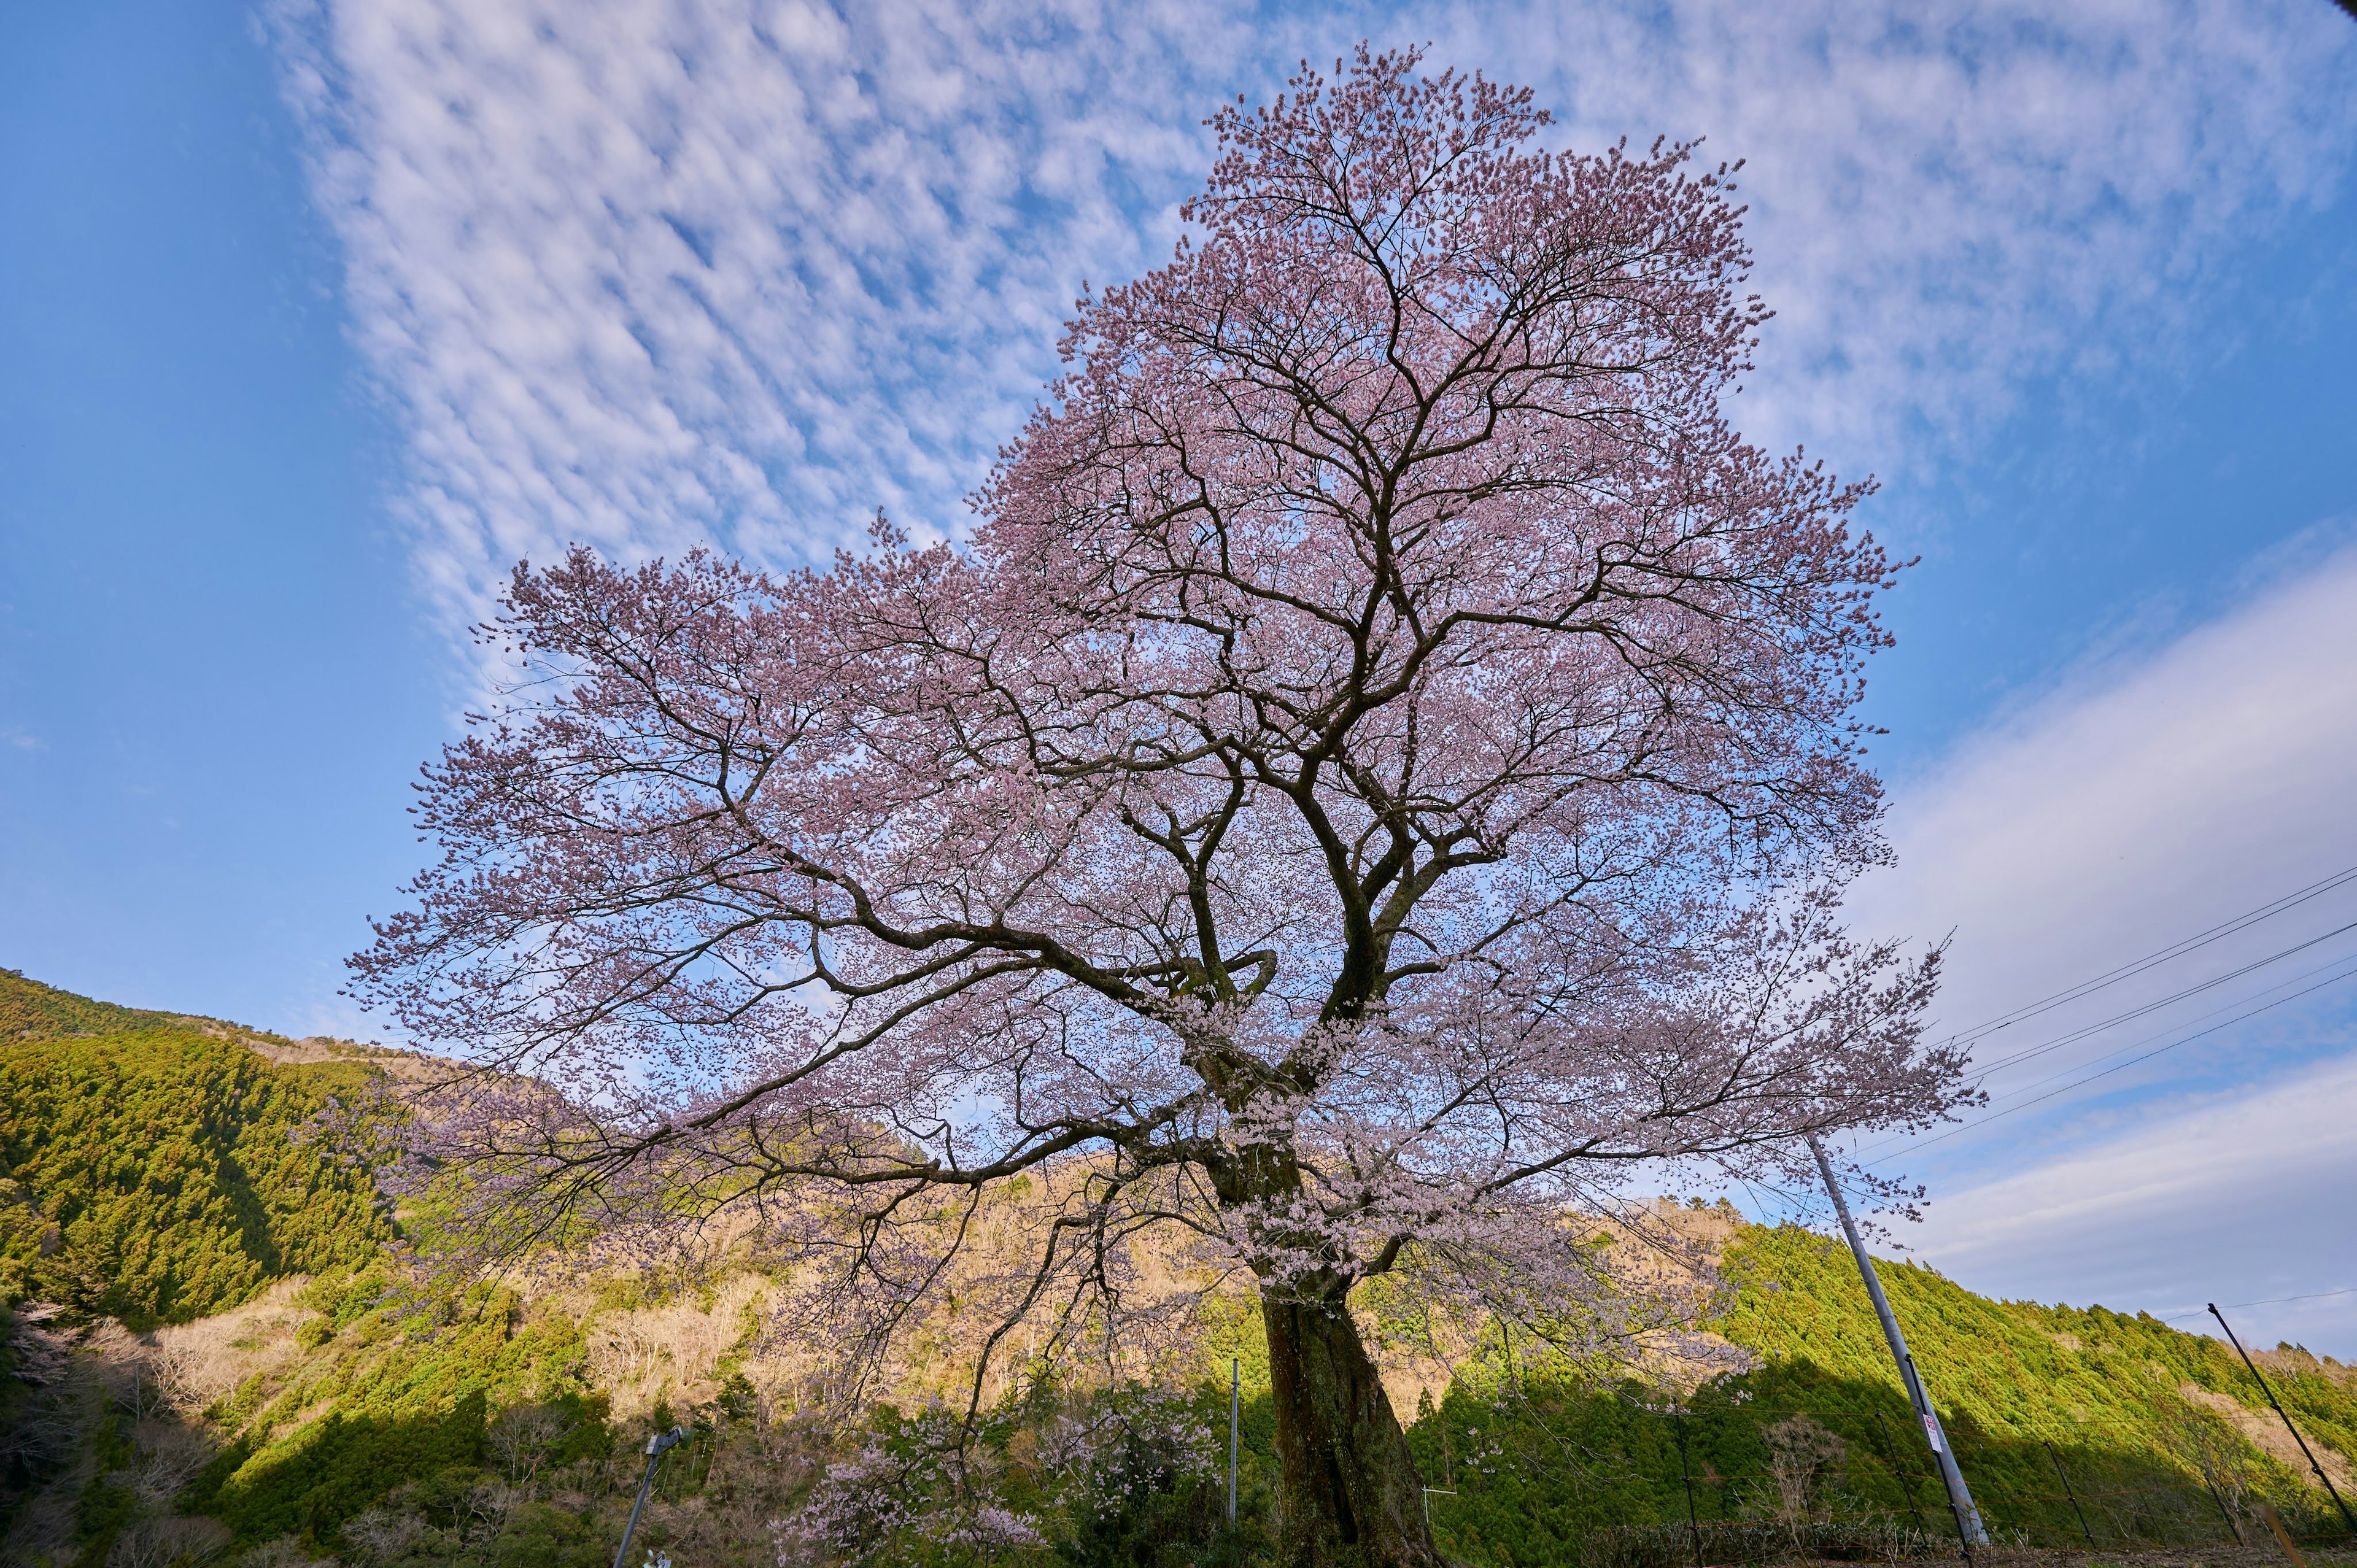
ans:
(676, 1348)
(1666, 1251)
(195, 1364)
(2292, 1360)
(671, 1351)
(2265, 1432)
(409, 1069)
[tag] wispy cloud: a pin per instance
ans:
(645, 275)
(2159, 793)
(2231, 1201)
(651, 272)
(2156, 791)
(1950, 196)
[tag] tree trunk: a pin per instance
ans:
(1351, 1495)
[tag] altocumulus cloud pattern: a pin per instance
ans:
(653, 273)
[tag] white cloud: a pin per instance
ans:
(649, 272)
(646, 275)
(2153, 796)
(1949, 197)
(2143, 799)
(2242, 1200)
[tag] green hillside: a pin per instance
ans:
(404, 1401)
(159, 1172)
(32, 1011)
(2075, 1428)
(1541, 1462)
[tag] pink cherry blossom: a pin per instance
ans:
(1376, 783)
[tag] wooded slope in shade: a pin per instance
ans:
(164, 1171)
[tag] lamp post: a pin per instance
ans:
(657, 1447)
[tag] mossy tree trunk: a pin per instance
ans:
(1352, 1498)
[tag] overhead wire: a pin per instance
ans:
(2271, 1301)
(2024, 1105)
(2200, 1018)
(2082, 1032)
(2176, 950)
(2179, 949)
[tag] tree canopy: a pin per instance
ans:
(163, 1174)
(1379, 774)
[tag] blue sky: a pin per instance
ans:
(314, 317)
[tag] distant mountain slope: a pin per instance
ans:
(30, 1010)
(156, 1169)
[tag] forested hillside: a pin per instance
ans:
(32, 1011)
(213, 1352)
(2089, 1427)
(157, 1170)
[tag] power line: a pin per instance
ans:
(2172, 1317)
(2174, 949)
(2024, 1105)
(2312, 1295)
(2132, 1045)
(2271, 1301)
(2205, 1017)
(2137, 1011)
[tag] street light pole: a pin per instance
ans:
(656, 1448)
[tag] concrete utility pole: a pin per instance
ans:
(1235, 1391)
(1960, 1497)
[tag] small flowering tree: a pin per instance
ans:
(1374, 781)
(935, 1486)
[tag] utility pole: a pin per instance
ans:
(1960, 1498)
(2350, 1519)
(2213, 1489)
(1685, 1471)
(1906, 1478)
(2068, 1492)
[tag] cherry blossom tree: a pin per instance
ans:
(1377, 780)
